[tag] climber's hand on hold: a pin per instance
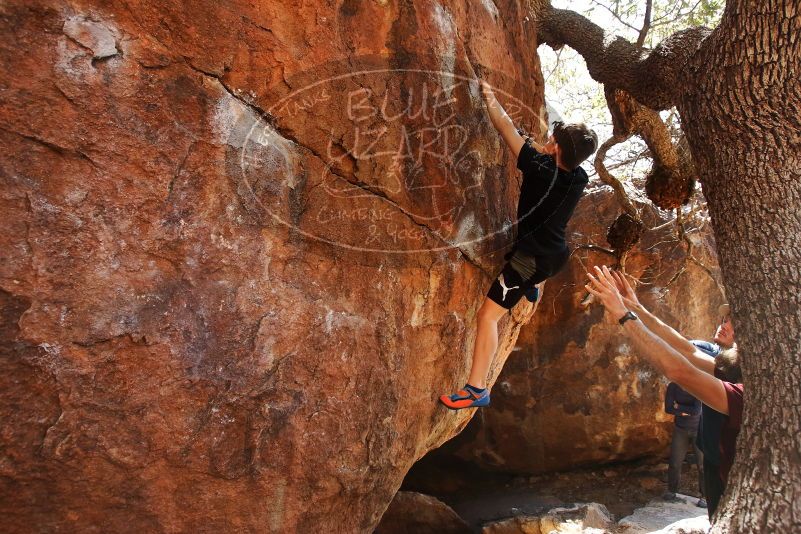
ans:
(486, 92)
(500, 120)
(603, 287)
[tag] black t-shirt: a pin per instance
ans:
(548, 197)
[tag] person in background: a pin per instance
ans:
(718, 358)
(704, 377)
(727, 368)
(686, 411)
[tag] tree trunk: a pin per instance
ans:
(739, 99)
(743, 123)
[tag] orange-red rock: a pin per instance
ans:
(211, 321)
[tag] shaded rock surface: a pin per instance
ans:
(211, 318)
(573, 393)
(421, 514)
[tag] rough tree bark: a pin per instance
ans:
(737, 91)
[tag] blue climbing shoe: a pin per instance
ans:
(466, 398)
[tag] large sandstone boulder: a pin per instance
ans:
(574, 392)
(244, 244)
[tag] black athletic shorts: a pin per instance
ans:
(509, 287)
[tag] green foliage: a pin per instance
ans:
(666, 16)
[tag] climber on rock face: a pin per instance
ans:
(553, 182)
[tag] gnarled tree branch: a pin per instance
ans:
(653, 78)
(607, 177)
(672, 178)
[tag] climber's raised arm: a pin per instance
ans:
(502, 122)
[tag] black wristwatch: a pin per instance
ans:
(629, 315)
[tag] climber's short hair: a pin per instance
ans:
(576, 141)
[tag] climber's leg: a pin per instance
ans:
(486, 342)
(504, 293)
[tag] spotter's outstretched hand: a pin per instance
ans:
(626, 291)
(604, 288)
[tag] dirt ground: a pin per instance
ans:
(480, 497)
